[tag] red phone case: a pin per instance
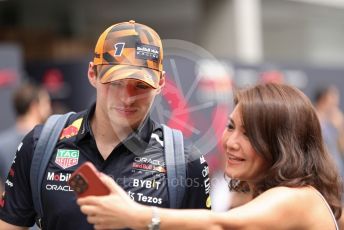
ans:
(85, 181)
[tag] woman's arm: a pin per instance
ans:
(104, 213)
(276, 208)
(117, 210)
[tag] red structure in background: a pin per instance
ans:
(8, 77)
(53, 80)
(180, 115)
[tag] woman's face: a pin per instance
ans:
(242, 161)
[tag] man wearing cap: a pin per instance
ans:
(116, 134)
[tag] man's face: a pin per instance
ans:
(125, 103)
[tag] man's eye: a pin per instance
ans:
(116, 83)
(142, 86)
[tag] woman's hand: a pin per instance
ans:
(116, 210)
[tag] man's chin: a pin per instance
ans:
(125, 122)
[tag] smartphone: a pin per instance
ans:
(85, 181)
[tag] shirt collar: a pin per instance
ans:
(86, 130)
(138, 140)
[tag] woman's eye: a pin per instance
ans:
(230, 126)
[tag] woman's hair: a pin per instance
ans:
(283, 127)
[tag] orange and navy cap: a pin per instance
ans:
(129, 50)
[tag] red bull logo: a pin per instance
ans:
(149, 167)
(71, 130)
(160, 169)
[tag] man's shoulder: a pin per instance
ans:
(192, 153)
(73, 125)
(75, 116)
(37, 130)
(158, 129)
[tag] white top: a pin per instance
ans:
(329, 208)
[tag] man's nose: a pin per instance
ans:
(127, 95)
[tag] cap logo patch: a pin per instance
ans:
(147, 52)
(119, 48)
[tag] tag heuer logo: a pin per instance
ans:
(67, 158)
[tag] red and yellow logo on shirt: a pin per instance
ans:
(71, 130)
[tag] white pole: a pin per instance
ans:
(248, 30)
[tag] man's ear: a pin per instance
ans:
(161, 81)
(92, 75)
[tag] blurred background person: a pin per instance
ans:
(32, 106)
(331, 118)
(327, 104)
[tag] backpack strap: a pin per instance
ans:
(175, 165)
(44, 148)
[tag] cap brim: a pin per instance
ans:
(119, 72)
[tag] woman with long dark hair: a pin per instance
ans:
(275, 153)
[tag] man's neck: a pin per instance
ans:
(107, 135)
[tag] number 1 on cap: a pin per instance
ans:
(119, 48)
